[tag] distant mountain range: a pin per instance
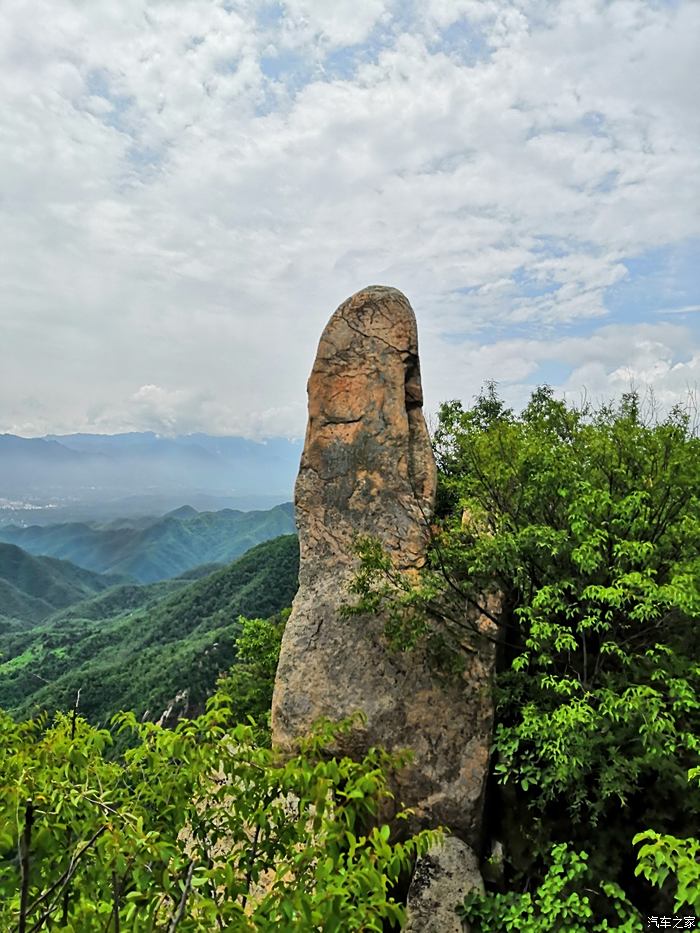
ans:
(128, 646)
(150, 549)
(101, 476)
(32, 588)
(110, 586)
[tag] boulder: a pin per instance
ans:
(441, 880)
(367, 469)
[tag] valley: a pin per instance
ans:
(125, 645)
(146, 548)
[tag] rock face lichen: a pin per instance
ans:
(368, 469)
(441, 880)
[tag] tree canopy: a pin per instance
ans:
(586, 521)
(195, 828)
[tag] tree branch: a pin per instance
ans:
(179, 913)
(61, 883)
(24, 844)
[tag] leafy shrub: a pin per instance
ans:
(664, 856)
(194, 829)
(561, 902)
(586, 522)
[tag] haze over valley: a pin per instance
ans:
(102, 477)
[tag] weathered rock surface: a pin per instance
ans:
(441, 880)
(368, 469)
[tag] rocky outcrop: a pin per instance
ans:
(367, 465)
(441, 880)
(368, 469)
(178, 708)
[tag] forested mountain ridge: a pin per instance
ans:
(137, 647)
(32, 588)
(163, 548)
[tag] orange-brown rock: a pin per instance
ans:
(368, 469)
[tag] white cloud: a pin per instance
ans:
(176, 215)
(605, 364)
(169, 411)
(340, 23)
(444, 13)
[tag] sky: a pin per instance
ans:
(189, 188)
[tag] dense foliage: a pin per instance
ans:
(561, 902)
(251, 680)
(194, 829)
(138, 647)
(32, 588)
(587, 522)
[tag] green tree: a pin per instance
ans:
(195, 829)
(587, 522)
(252, 678)
(561, 902)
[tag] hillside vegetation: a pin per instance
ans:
(158, 549)
(32, 588)
(136, 648)
(128, 844)
(587, 522)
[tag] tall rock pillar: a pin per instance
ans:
(368, 469)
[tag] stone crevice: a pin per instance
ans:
(383, 340)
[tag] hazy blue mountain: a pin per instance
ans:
(40, 449)
(136, 647)
(95, 476)
(158, 549)
(32, 588)
(18, 609)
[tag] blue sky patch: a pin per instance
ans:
(659, 283)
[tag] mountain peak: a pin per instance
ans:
(185, 511)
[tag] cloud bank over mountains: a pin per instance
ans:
(190, 188)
